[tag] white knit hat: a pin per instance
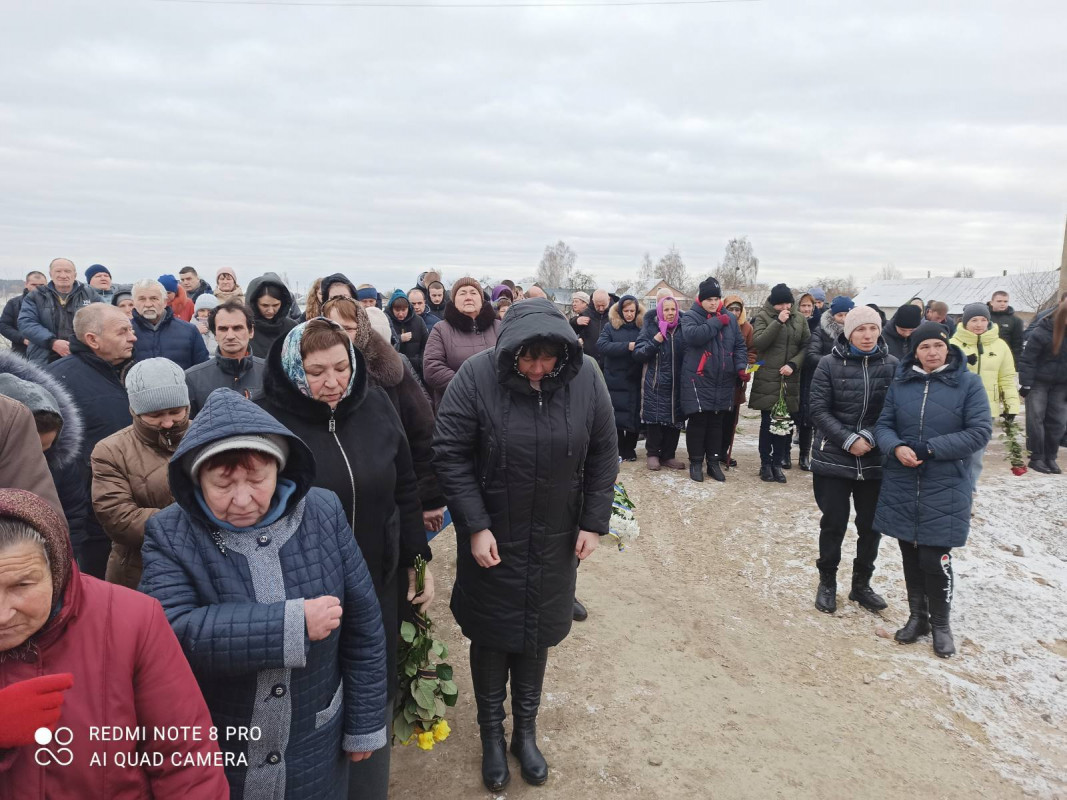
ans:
(269, 443)
(156, 384)
(379, 323)
(207, 301)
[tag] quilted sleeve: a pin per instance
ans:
(435, 369)
(646, 348)
(1008, 388)
(607, 345)
(601, 462)
(30, 324)
(977, 424)
(220, 638)
(885, 433)
(119, 515)
(821, 405)
(362, 646)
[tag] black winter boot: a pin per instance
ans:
(863, 594)
(826, 595)
(489, 674)
(939, 596)
(918, 623)
(527, 680)
(766, 473)
(779, 476)
(805, 463)
(715, 471)
(787, 461)
(696, 471)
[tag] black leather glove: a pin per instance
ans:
(923, 451)
(1023, 391)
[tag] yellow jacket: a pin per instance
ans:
(990, 358)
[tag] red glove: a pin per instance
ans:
(744, 375)
(28, 705)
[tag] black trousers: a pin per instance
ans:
(704, 435)
(489, 675)
(929, 569)
(730, 432)
(772, 449)
(662, 441)
(835, 497)
(627, 443)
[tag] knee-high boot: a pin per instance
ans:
(489, 674)
(939, 596)
(527, 680)
(918, 623)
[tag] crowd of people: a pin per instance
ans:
(217, 498)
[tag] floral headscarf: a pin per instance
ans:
(293, 362)
(665, 326)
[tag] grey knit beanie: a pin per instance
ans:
(155, 384)
(972, 310)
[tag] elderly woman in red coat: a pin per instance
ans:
(80, 658)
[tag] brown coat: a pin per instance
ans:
(130, 484)
(22, 462)
(452, 341)
(746, 333)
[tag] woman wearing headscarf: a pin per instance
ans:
(316, 386)
(226, 287)
(130, 480)
(272, 602)
(1043, 377)
(735, 304)
(715, 360)
(823, 339)
(77, 653)
(525, 451)
(271, 303)
(622, 371)
(659, 348)
(935, 417)
(988, 357)
(469, 327)
(780, 337)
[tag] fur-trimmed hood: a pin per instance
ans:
(736, 298)
(831, 326)
(615, 313)
(385, 366)
(461, 322)
(68, 443)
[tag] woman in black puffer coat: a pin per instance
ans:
(525, 451)
(660, 347)
(1043, 378)
(622, 372)
(824, 334)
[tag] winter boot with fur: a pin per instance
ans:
(489, 674)
(527, 680)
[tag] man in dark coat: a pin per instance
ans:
(47, 313)
(847, 392)
(9, 319)
(417, 298)
(194, 285)
(591, 322)
(715, 360)
(1011, 326)
(159, 333)
(897, 331)
(525, 451)
(232, 367)
(93, 374)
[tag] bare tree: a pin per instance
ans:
(739, 266)
(1036, 287)
(836, 286)
(582, 282)
(671, 269)
(556, 265)
(963, 272)
(889, 273)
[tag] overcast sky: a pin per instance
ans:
(838, 136)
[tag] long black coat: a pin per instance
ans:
(823, 338)
(714, 356)
(660, 398)
(622, 371)
(414, 325)
(590, 334)
(1038, 363)
(367, 463)
(532, 467)
(847, 394)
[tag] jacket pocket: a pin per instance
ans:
(487, 467)
(325, 716)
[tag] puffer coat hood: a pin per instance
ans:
(947, 410)
(47, 394)
(848, 391)
(267, 330)
(989, 357)
(226, 413)
(330, 280)
(528, 321)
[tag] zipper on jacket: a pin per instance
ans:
(918, 475)
(351, 477)
(540, 401)
(863, 411)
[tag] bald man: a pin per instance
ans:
(47, 314)
(591, 322)
(536, 291)
(92, 373)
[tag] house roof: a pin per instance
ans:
(1025, 290)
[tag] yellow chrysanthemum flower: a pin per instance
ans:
(425, 741)
(441, 731)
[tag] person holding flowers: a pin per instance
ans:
(659, 347)
(990, 358)
(780, 337)
(526, 454)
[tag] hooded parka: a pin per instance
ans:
(989, 357)
(948, 409)
(533, 467)
(413, 324)
(235, 599)
(714, 356)
(622, 371)
(660, 395)
(267, 330)
(777, 344)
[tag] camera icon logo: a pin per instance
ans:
(62, 755)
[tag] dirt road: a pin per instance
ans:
(704, 669)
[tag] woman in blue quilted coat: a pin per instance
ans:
(936, 416)
(269, 595)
